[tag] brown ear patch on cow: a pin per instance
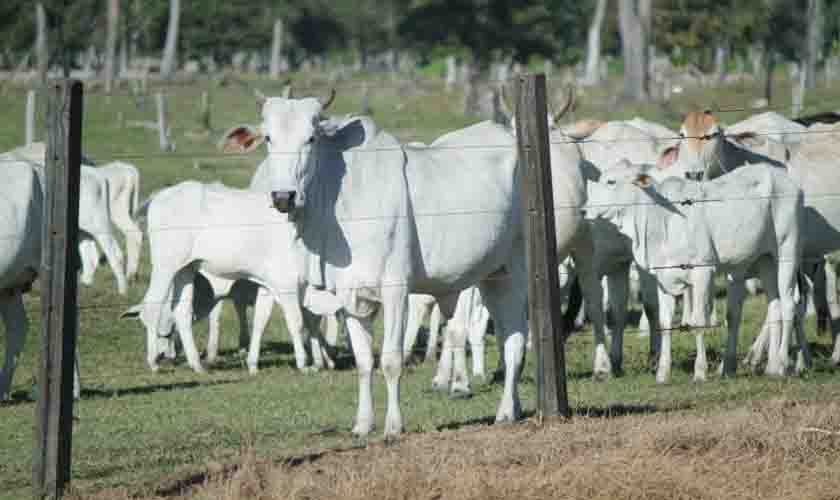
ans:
(240, 139)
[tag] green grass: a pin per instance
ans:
(139, 429)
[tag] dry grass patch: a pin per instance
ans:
(777, 449)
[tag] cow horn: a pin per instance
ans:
(570, 101)
(326, 104)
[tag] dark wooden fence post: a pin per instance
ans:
(59, 312)
(543, 287)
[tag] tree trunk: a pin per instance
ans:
(768, 83)
(42, 54)
(813, 42)
(592, 76)
(634, 48)
(170, 50)
(276, 49)
(111, 43)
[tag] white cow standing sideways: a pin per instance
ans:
(367, 213)
(667, 234)
(228, 233)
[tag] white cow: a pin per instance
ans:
(376, 221)
(666, 234)
(94, 212)
(123, 181)
(232, 234)
(21, 217)
(812, 166)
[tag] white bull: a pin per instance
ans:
(232, 234)
(376, 221)
(668, 234)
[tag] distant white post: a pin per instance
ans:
(163, 136)
(30, 117)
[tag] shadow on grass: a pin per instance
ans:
(97, 393)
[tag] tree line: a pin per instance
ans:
(287, 33)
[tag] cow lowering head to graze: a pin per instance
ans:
(375, 221)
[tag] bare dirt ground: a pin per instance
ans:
(770, 450)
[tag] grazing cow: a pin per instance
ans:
(375, 221)
(123, 181)
(232, 234)
(813, 165)
(666, 234)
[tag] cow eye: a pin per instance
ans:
(611, 182)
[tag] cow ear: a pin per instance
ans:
(643, 180)
(132, 313)
(240, 139)
(668, 157)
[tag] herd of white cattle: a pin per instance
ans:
(341, 221)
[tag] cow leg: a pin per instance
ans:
(334, 327)
(594, 298)
(17, 325)
(619, 288)
(667, 304)
(89, 255)
(115, 259)
(77, 378)
(831, 297)
(416, 311)
(478, 329)
(700, 301)
(650, 306)
(213, 321)
(758, 348)
(788, 269)
(262, 312)
(359, 330)
(687, 306)
(320, 356)
(459, 388)
(293, 314)
(241, 308)
(443, 375)
(133, 240)
(735, 293)
(183, 315)
(434, 332)
(506, 300)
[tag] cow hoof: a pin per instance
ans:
(253, 370)
(362, 429)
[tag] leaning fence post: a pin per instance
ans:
(538, 203)
(30, 117)
(59, 299)
(163, 135)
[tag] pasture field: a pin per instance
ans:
(144, 433)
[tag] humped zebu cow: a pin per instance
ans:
(376, 221)
(708, 154)
(228, 233)
(678, 227)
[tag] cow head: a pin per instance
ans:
(703, 142)
(159, 323)
(292, 128)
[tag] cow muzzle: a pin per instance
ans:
(283, 201)
(694, 176)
